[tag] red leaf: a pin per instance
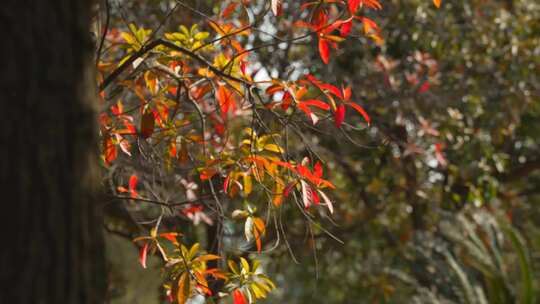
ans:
(226, 183)
(171, 236)
(132, 182)
(288, 189)
(276, 9)
(147, 124)
(130, 127)
(361, 111)
(286, 101)
(238, 297)
(142, 255)
(339, 115)
(317, 169)
(353, 5)
(228, 10)
(439, 147)
(324, 50)
(346, 27)
(315, 103)
(132, 185)
(333, 89)
(315, 197)
(243, 67)
(424, 87)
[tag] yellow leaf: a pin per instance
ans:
(278, 192)
(193, 251)
(248, 185)
(209, 257)
(273, 148)
(245, 264)
(151, 82)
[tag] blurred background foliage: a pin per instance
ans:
(437, 201)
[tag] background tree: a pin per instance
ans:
(54, 251)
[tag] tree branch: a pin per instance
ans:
(161, 42)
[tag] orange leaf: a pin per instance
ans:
(278, 193)
(439, 147)
(109, 150)
(184, 288)
(437, 3)
(171, 236)
(225, 99)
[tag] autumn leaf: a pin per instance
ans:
(276, 7)
(142, 254)
(258, 231)
(437, 3)
(424, 87)
(339, 115)
(184, 288)
(353, 5)
(439, 147)
(109, 149)
(132, 185)
(147, 124)
(346, 28)
(361, 111)
(238, 297)
(327, 201)
(278, 193)
(225, 99)
(171, 236)
(226, 183)
(324, 50)
(229, 9)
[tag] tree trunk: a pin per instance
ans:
(54, 251)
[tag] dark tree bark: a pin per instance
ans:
(53, 248)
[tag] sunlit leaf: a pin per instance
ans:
(324, 50)
(339, 115)
(143, 251)
(238, 297)
(276, 6)
(184, 288)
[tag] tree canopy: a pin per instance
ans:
(323, 151)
